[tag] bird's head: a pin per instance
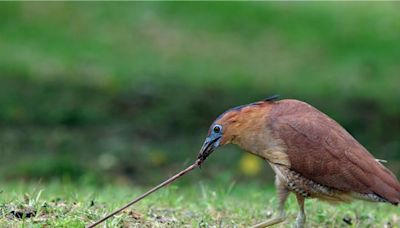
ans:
(232, 125)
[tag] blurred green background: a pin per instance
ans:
(125, 92)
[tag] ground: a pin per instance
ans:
(203, 204)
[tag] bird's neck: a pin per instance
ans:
(255, 136)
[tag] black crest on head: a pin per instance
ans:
(272, 98)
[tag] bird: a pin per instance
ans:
(311, 154)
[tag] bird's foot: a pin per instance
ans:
(300, 221)
(270, 222)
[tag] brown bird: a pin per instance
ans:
(311, 154)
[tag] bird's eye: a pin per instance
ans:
(217, 129)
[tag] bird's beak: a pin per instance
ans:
(208, 147)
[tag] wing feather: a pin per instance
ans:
(323, 151)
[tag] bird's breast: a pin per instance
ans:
(265, 145)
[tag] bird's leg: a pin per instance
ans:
(283, 193)
(301, 216)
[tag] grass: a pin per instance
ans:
(97, 91)
(250, 49)
(204, 204)
(130, 80)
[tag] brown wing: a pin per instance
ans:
(323, 151)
